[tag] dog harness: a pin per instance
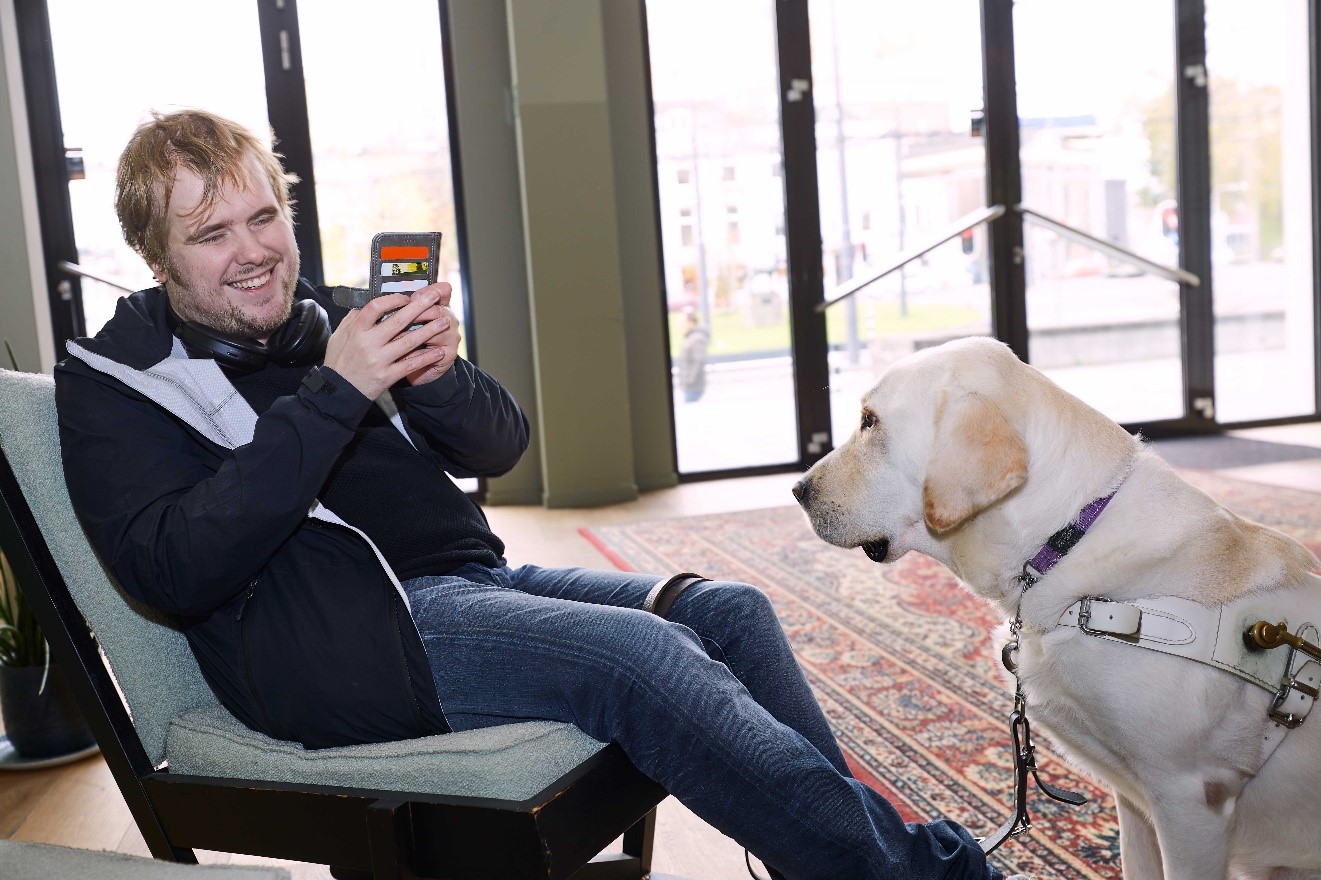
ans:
(1222, 636)
(1236, 638)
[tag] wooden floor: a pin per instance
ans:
(79, 805)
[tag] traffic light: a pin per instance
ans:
(966, 241)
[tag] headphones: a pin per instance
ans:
(300, 342)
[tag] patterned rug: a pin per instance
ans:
(901, 660)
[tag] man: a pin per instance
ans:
(692, 359)
(269, 469)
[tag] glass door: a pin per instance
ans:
(719, 171)
(899, 160)
(1261, 209)
(380, 133)
(158, 64)
(1098, 154)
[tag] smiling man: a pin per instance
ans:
(238, 272)
(273, 472)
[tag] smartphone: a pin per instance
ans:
(401, 262)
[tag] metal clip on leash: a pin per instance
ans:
(1025, 755)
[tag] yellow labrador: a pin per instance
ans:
(970, 456)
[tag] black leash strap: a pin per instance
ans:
(1025, 762)
(1056, 548)
(1025, 753)
(667, 592)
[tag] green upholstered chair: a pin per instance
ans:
(535, 799)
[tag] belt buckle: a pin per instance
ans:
(1085, 615)
(1284, 719)
(1289, 719)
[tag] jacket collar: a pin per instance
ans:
(138, 335)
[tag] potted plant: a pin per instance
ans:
(39, 714)
(37, 711)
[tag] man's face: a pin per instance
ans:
(233, 268)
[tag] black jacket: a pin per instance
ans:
(296, 622)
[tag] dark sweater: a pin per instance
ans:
(420, 520)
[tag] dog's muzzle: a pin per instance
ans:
(877, 550)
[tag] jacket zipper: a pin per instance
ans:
(403, 663)
(247, 597)
(257, 702)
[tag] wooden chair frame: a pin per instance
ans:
(388, 835)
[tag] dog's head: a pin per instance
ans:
(935, 445)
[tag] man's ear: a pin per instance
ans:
(977, 459)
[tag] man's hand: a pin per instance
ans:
(373, 352)
(447, 341)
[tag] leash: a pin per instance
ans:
(1025, 758)
(1020, 731)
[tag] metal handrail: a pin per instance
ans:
(1170, 273)
(962, 225)
(986, 215)
(75, 269)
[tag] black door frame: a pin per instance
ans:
(46, 135)
(286, 109)
(803, 240)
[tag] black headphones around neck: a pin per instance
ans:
(301, 341)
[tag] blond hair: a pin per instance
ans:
(212, 147)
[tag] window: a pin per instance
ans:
(102, 103)
(380, 133)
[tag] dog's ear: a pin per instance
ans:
(977, 459)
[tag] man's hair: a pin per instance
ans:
(212, 147)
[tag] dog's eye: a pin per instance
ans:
(868, 419)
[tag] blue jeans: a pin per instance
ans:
(709, 703)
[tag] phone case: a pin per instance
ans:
(402, 262)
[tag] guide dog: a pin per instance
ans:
(968, 455)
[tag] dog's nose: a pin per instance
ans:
(803, 491)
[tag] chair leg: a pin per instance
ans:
(639, 839)
(390, 835)
(634, 863)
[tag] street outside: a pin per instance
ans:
(1111, 341)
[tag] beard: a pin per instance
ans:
(192, 302)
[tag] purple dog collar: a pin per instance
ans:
(1060, 543)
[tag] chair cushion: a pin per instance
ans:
(507, 762)
(137, 643)
(39, 861)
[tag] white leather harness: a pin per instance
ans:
(1215, 636)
